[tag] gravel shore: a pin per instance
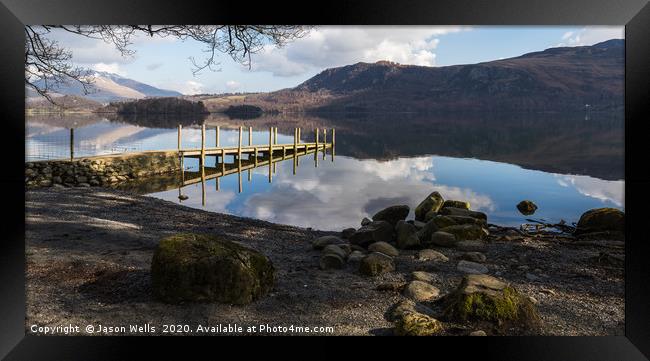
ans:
(89, 250)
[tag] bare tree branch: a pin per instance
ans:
(47, 64)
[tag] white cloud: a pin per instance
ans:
(332, 46)
(592, 35)
(606, 191)
(232, 85)
(109, 68)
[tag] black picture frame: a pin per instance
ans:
(635, 15)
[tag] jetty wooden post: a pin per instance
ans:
(241, 188)
(179, 136)
(333, 135)
(298, 158)
(256, 151)
(270, 154)
(239, 146)
(316, 150)
(275, 135)
(71, 143)
(223, 161)
(217, 136)
(324, 143)
(250, 135)
(203, 186)
(217, 182)
(295, 148)
(202, 144)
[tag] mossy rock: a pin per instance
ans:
(392, 214)
(456, 204)
(417, 324)
(464, 232)
(206, 268)
(376, 264)
(601, 220)
(407, 236)
(432, 202)
(376, 231)
(483, 298)
(453, 211)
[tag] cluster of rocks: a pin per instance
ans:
(99, 171)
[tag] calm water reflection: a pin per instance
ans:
(566, 164)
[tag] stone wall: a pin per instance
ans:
(100, 170)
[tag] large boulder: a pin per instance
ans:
(443, 239)
(392, 214)
(452, 211)
(601, 220)
(467, 231)
(206, 268)
(526, 207)
(385, 248)
(432, 202)
(376, 264)
(379, 231)
(456, 204)
(431, 255)
(471, 267)
(488, 299)
(424, 234)
(407, 235)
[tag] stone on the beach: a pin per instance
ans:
(466, 220)
(443, 239)
(206, 268)
(470, 267)
(477, 257)
(452, 211)
(417, 324)
(465, 232)
(526, 207)
(429, 216)
(335, 249)
(419, 225)
(407, 235)
(423, 276)
(428, 254)
(321, 242)
(183, 197)
(420, 291)
(331, 261)
(424, 234)
(346, 233)
(443, 221)
(379, 231)
(355, 256)
(432, 202)
(478, 333)
(385, 248)
(376, 264)
(406, 306)
(456, 204)
(600, 220)
(392, 214)
(471, 246)
(486, 298)
(365, 221)
(346, 247)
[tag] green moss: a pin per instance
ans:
(479, 306)
(417, 324)
(195, 267)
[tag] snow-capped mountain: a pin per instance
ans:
(107, 87)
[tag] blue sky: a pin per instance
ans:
(165, 62)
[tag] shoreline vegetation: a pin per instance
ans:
(388, 276)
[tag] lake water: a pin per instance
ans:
(566, 164)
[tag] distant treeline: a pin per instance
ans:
(246, 111)
(158, 106)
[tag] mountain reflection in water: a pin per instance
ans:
(566, 163)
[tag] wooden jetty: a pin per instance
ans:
(246, 157)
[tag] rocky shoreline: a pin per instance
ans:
(89, 253)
